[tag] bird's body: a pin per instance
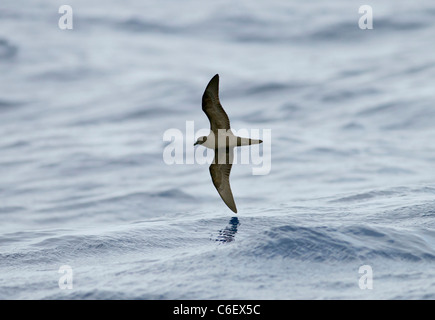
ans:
(226, 139)
(222, 140)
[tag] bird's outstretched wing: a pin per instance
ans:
(220, 171)
(213, 108)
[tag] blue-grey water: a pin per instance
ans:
(83, 182)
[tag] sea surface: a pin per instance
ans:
(83, 182)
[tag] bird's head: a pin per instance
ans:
(201, 140)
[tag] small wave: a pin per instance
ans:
(353, 126)
(173, 194)
(367, 195)
(88, 295)
(7, 50)
(139, 114)
(398, 25)
(145, 113)
(347, 94)
(320, 244)
(420, 214)
(140, 25)
(66, 75)
(333, 151)
(8, 104)
(61, 246)
(350, 31)
(266, 88)
(12, 209)
(99, 294)
(137, 200)
(398, 115)
(16, 144)
(27, 236)
(387, 107)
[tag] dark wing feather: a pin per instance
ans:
(213, 108)
(220, 171)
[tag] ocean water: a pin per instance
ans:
(83, 183)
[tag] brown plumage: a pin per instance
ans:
(220, 169)
(213, 108)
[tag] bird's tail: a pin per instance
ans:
(247, 141)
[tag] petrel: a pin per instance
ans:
(222, 140)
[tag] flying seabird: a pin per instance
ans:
(222, 140)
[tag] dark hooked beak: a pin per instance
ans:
(195, 143)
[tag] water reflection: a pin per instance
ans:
(229, 232)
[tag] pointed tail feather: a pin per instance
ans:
(247, 141)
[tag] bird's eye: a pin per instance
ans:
(204, 139)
